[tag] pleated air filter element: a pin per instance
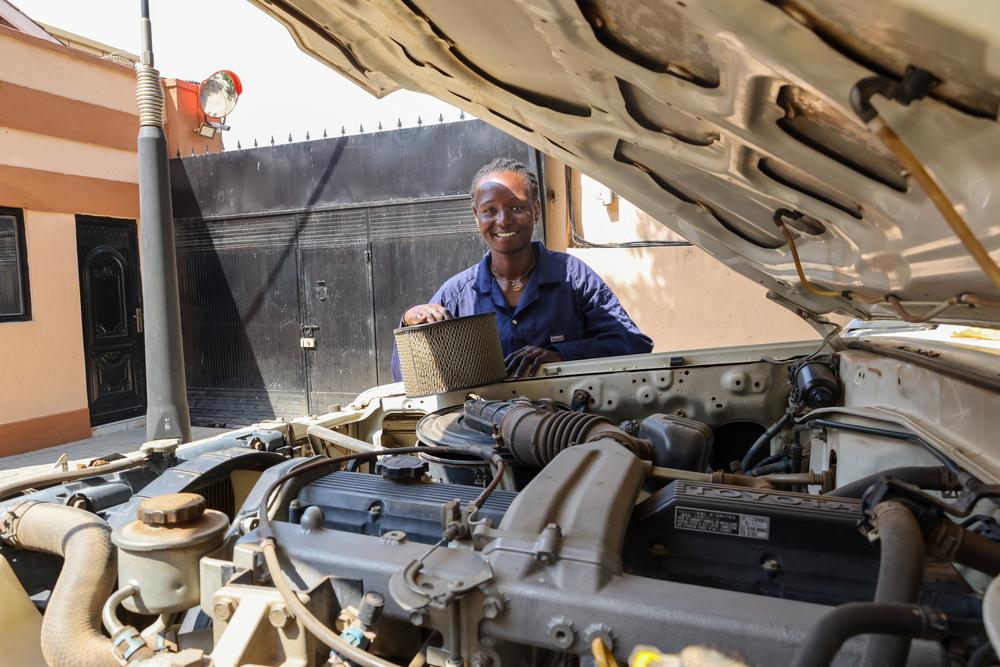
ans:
(454, 354)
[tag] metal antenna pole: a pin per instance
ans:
(166, 391)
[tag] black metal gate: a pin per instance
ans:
(296, 261)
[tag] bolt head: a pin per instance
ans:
(278, 616)
(248, 524)
(481, 660)
(223, 609)
(561, 632)
(417, 617)
(492, 607)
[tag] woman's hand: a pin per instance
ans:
(428, 312)
(528, 359)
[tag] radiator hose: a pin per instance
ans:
(954, 543)
(71, 634)
(900, 573)
(907, 621)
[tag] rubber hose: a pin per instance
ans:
(109, 615)
(71, 634)
(857, 618)
(935, 478)
(763, 440)
(900, 573)
(984, 656)
(979, 553)
(773, 458)
(536, 433)
(778, 467)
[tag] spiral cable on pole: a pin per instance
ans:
(149, 96)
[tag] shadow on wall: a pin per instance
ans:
(680, 296)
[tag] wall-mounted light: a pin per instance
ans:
(217, 97)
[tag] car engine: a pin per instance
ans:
(753, 510)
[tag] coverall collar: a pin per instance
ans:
(546, 271)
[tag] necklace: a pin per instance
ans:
(516, 284)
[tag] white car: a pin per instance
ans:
(768, 505)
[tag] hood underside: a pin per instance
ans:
(710, 115)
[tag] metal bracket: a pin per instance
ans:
(547, 545)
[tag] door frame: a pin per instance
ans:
(132, 231)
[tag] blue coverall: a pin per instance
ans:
(565, 307)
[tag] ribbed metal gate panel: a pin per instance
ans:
(238, 282)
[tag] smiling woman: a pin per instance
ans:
(549, 306)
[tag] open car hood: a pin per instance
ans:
(711, 114)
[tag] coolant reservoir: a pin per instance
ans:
(160, 551)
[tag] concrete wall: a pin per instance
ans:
(184, 116)
(42, 384)
(67, 146)
(680, 296)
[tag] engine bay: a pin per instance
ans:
(734, 506)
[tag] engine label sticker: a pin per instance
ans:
(725, 523)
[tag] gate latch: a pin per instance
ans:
(308, 339)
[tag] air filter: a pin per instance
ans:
(460, 353)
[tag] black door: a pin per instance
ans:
(338, 329)
(111, 303)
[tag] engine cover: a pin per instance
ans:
(371, 505)
(789, 545)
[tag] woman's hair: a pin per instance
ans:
(502, 164)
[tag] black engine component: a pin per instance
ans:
(788, 545)
(401, 468)
(536, 432)
(370, 505)
(815, 384)
(678, 442)
(447, 428)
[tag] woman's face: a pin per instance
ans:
(505, 212)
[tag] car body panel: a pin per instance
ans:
(711, 115)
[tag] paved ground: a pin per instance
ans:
(121, 441)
